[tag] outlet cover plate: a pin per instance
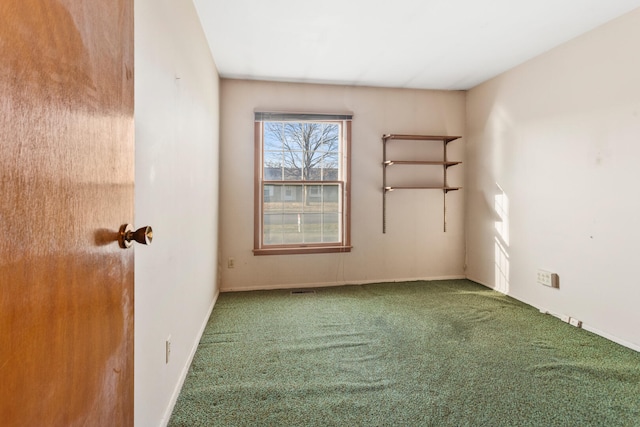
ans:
(548, 278)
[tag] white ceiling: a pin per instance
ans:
(428, 44)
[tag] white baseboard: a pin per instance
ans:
(585, 326)
(185, 369)
(611, 337)
(480, 282)
(330, 284)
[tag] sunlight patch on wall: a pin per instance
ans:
(501, 206)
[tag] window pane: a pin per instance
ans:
(293, 166)
(268, 194)
(312, 227)
(331, 227)
(273, 165)
(313, 165)
(330, 167)
(292, 196)
(295, 135)
(273, 230)
(292, 228)
(327, 137)
(313, 198)
(272, 218)
(273, 174)
(273, 136)
(331, 195)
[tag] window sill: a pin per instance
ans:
(302, 250)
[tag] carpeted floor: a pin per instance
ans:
(443, 353)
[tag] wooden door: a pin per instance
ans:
(66, 185)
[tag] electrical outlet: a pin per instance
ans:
(167, 349)
(575, 322)
(547, 278)
(231, 263)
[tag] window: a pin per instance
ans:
(302, 183)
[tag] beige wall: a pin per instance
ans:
(560, 136)
(414, 246)
(176, 119)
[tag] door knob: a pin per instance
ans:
(126, 236)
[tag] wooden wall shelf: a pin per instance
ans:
(443, 162)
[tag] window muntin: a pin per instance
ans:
(302, 177)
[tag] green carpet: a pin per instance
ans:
(442, 353)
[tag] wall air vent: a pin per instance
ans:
(303, 292)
